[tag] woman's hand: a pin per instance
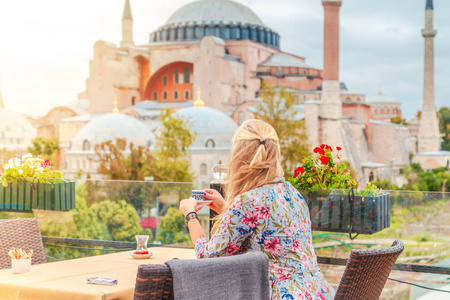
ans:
(218, 203)
(189, 205)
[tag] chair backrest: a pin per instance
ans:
(154, 282)
(367, 271)
(20, 233)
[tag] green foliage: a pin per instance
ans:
(106, 220)
(277, 109)
(385, 185)
(46, 148)
(416, 167)
(120, 218)
(399, 120)
(171, 229)
(444, 127)
(320, 172)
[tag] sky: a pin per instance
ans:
(46, 45)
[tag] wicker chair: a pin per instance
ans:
(367, 271)
(20, 233)
(364, 277)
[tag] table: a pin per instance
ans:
(67, 279)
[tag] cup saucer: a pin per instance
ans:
(141, 256)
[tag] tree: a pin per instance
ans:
(172, 141)
(444, 127)
(277, 109)
(399, 120)
(47, 148)
(171, 229)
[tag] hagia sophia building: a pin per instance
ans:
(207, 62)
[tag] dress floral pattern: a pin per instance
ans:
(273, 219)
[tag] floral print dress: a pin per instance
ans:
(273, 219)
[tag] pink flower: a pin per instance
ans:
(310, 245)
(262, 212)
(296, 246)
(299, 294)
(250, 219)
(226, 219)
(235, 204)
(46, 163)
(232, 248)
(200, 252)
(307, 263)
(324, 288)
(320, 295)
(309, 285)
(308, 295)
(289, 231)
(273, 246)
(284, 277)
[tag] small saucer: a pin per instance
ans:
(141, 256)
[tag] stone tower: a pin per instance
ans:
(429, 138)
(127, 26)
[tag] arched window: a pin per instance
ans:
(187, 75)
(375, 112)
(210, 144)
(187, 95)
(175, 77)
(388, 111)
(133, 100)
(175, 95)
(358, 100)
(348, 100)
(83, 163)
(165, 95)
(164, 80)
(86, 145)
(381, 111)
(62, 114)
(155, 96)
(52, 120)
(203, 169)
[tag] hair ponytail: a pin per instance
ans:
(254, 161)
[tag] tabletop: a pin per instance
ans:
(67, 279)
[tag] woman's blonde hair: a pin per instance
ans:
(254, 161)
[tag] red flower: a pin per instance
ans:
(46, 163)
(324, 159)
(299, 171)
(319, 150)
(328, 148)
(338, 148)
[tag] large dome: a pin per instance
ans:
(16, 133)
(109, 127)
(215, 11)
(214, 128)
(225, 19)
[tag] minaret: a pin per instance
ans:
(429, 138)
(331, 102)
(127, 26)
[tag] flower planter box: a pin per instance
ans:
(335, 213)
(23, 197)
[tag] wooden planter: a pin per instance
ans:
(336, 213)
(24, 197)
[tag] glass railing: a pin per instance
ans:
(108, 214)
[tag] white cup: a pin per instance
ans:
(21, 265)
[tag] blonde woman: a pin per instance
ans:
(262, 212)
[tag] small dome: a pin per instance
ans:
(16, 133)
(215, 129)
(381, 98)
(109, 127)
(215, 11)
